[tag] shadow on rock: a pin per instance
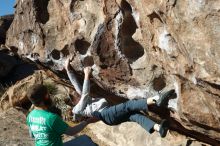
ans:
(81, 140)
(13, 69)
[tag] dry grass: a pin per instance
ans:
(3, 89)
(51, 88)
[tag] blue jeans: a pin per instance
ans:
(128, 111)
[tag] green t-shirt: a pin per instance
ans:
(46, 128)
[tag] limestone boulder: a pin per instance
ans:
(137, 48)
(118, 136)
(15, 96)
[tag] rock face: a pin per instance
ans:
(14, 130)
(5, 22)
(15, 96)
(118, 136)
(137, 48)
(12, 67)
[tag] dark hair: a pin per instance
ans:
(36, 94)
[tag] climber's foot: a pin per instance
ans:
(164, 98)
(164, 125)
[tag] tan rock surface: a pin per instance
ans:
(138, 47)
(13, 129)
(131, 134)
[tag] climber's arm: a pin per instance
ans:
(74, 82)
(84, 100)
(76, 129)
(73, 78)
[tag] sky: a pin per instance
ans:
(6, 7)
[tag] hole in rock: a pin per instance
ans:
(153, 16)
(129, 25)
(129, 47)
(132, 50)
(72, 5)
(153, 67)
(88, 61)
(55, 54)
(189, 142)
(14, 49)
(35, 55)
(65, 51)
(42, 14)
(82, 46)
(159, 83)
(103, 66)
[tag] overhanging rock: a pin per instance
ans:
(138, 48)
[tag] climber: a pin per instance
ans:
(44, 126)
(114, 115)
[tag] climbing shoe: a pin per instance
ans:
(164, 125)
(164, 98)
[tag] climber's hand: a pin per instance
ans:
(92, 120)
(67, 62)
(87, 71)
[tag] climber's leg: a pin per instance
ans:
(120, 113)
(149, 125)
(142, 120)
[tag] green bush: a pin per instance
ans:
(51, 88)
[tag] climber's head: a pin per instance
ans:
(39, 95)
